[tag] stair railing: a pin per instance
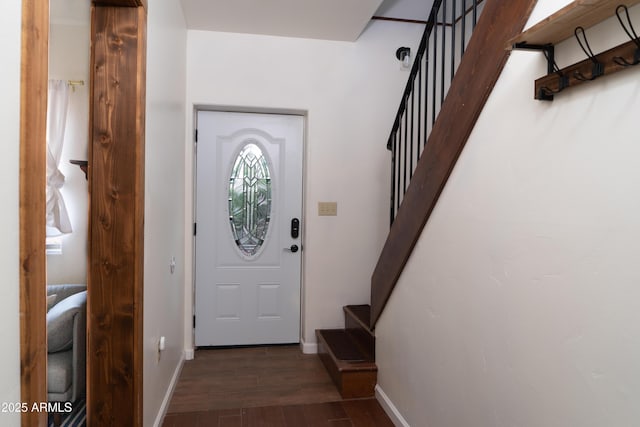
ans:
(441, 48)
(476, 76)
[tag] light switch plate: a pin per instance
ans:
(327, 208)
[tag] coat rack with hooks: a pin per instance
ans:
(572, 21)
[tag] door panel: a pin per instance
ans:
(249, 188)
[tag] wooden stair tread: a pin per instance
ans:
(346, 353)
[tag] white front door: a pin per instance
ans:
(248, 228)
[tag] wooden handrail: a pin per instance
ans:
(476, 76)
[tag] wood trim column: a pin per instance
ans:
(475, 78)
(32, 211)
(116, 226)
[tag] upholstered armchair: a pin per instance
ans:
(66, 342)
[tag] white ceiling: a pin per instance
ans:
(318, 19)
(405, 9)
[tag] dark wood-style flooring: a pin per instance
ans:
(264, 386)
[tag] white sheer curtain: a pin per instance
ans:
(58, 102)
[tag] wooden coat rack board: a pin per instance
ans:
(572, 20)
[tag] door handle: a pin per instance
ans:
(292, 249)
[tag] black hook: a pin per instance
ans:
(552, 63)
(597, 69)
(631, 32)
(546, 94)
(563, 81)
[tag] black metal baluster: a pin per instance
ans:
(406, 151)
(399, 161)
(425, 57)
(398, 166)
(444, 54)
(435, 74)
(411, 141)
(463, 34)
(419, 106)
(475, 13)
(453, 40)
(392, 214)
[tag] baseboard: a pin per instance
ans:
(189, 354)
(309, 347)
(167, 397)
(390, 408)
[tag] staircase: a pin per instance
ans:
(440, 105)
(349, 353)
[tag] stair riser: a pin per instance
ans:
(358, 384)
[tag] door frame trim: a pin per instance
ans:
(225, 108)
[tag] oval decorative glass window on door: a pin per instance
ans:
(250, 199)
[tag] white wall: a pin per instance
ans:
(349, 93)
(521, 305)
(69, 54)
(164, 204)
(10, 16)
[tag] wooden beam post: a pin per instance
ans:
(33, 130)
(116, 226)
